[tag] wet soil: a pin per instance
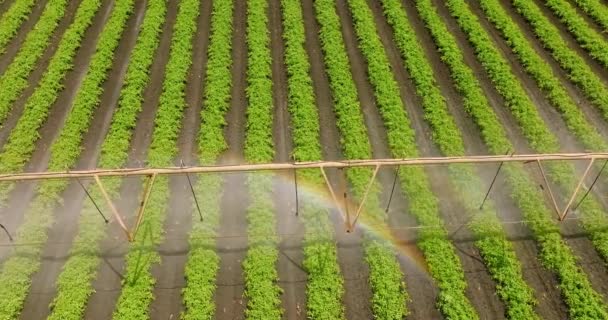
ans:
(232, 244)
(63, 232)
(107, 285)
(174, 250)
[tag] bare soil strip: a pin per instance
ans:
(170, 272)
(38, 71)
(56, 252)
(20, 197)
(229, 300)
(15, 44)
(292, 277)
(108, 282)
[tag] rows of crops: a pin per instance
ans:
(487, 75)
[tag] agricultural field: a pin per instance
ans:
(109, 84)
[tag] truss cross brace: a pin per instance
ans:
(117, 216)
(578, 186)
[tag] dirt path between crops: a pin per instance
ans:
(232, 249)
(581, 246)
(107, 285)
(56, 251)
(23, 193)
(14, 44)
(292, 277)
(174, 250)
(542, 281)
(37, 73)
(569, 39)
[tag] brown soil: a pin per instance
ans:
(15, 43)
(63, 232)
(24, 192)
(292, 277)
(232, 244)
(107, 285)
(174, 250)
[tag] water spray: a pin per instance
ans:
(493, 181)
(390, 198)
(92, 200)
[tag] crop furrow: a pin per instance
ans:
(12, 19)
(261, 288)
(203, 262)
(594, 220)
(588, 38)
(74, 285)
(554, 253)
(578, 70)
(21, 142)
(497, 252)
(138, 283)
(389, 296)
(541, 71)
(14, 80)
(15, 278)
(596, 10)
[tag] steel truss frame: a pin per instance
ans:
(350, 221)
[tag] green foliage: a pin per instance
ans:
(496, 251)
(21, 142)
(74, 285)
(15, 276)
(12, 19)
(14, 79)
(261, 288)
(386, 279)
(588, 38)
(203, 262)
(595, 9)
(579, 72)
(554, 253)
(138, 283)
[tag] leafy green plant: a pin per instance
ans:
(203, 262)
(588, 38)
(554, 253)
(389, 295)
(21, 141)
(578, 71)
(496, 251)
(74, 285)
(12, 19)
(14, 79)
(138, 283)
(595, 9)
(15, 275)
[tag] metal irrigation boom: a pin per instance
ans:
(350, 222)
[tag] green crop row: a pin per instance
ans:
(579, 72)
(541, 71)
(389, 296)
(554, 252)
(203, 262)
(21, 142)
(261, 288)
(15, 277)
(588, 38)
(138, 283)
(74, 285)
(496, 250)
(14, 79)
(446, 269)
(12, 19)
(594, 218)
(597, 11)
(534, 129)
